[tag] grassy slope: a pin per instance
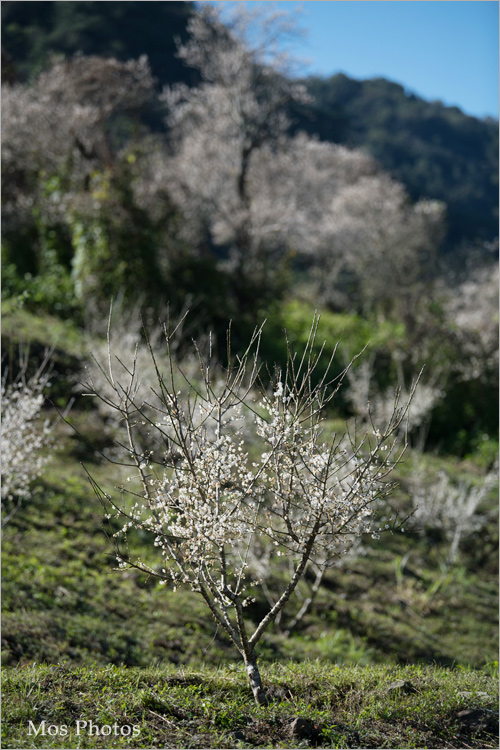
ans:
(63, 604)
(62, 600)
(212, 708)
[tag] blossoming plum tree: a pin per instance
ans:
(235, 463)
(25, 436)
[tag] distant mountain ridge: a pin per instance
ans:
(436, 151)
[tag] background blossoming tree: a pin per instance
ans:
(204, 191)
(26, 436)
(261, 194)
(235, 463)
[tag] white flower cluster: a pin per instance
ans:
(24, 436)
(209, 504)
(472, 312)
(203, 501)
(212, 505)
(315, 488)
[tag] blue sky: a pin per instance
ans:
(437, 49)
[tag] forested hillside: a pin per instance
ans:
(435, 151)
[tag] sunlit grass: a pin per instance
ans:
(214, 708)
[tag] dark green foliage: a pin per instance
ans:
(32, 30)
(467, 418)
(49, 288)
(61, 266)
(121, 247)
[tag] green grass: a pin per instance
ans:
(20, 325)
(213, 707)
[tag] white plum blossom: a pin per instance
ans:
(235, 467)
(25, 438)
(472, 312)
(60, 120)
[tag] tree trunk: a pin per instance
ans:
(254, 677)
